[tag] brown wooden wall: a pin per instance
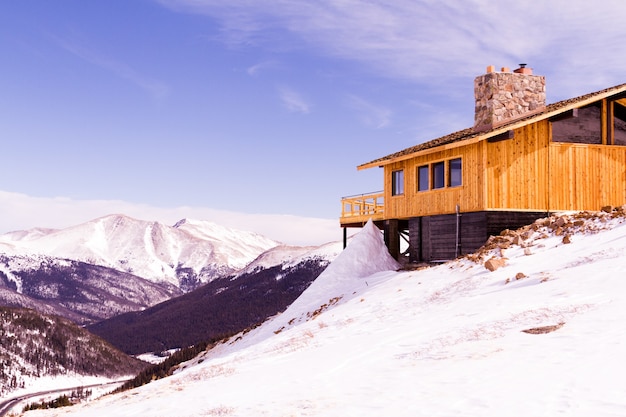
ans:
(470, 195)
(516, 170)
(530, 172)
(586, 177)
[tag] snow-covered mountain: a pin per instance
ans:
(537, 333)
(79, 291)
(116, 264)
(187, 254)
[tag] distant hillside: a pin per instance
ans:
(33, 345)
(76, 290)
(223, 306)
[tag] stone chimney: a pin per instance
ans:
(504, 96)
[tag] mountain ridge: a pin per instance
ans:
(185, 255)
(77, 290)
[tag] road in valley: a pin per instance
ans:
(7, 404)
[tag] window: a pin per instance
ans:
(423, 182)
(585, 128)
(439, 175)
(397, 182)
(454, 173)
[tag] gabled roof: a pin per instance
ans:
(469, 135)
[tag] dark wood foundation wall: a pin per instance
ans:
(445, 237)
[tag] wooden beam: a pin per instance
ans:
(610, 126)
(604, 117)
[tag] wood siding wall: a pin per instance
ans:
(516, 175)
(530, 172)
(586, 177)
(469, 196)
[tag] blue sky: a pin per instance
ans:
(210, 109)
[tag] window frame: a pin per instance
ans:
(397, 182)
(590, 116)
(438, 173)
(450, 173)
(423, 169)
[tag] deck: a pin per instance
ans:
(358, 209)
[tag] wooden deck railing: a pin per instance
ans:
(362, 207)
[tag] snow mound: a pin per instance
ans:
(364, 257)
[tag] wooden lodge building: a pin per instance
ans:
(520, 161)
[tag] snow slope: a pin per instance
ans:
(540, 336)
(184, 254)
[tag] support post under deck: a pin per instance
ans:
(392, 237)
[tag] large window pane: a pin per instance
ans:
(454, 174)
(397, 182)
(586, 128)
(439, 175)
(423, 183)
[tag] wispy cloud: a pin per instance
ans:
(370, 114)
(293, 101)
(20, 211)
(155, 88)
(426, 39)
(256, 69)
